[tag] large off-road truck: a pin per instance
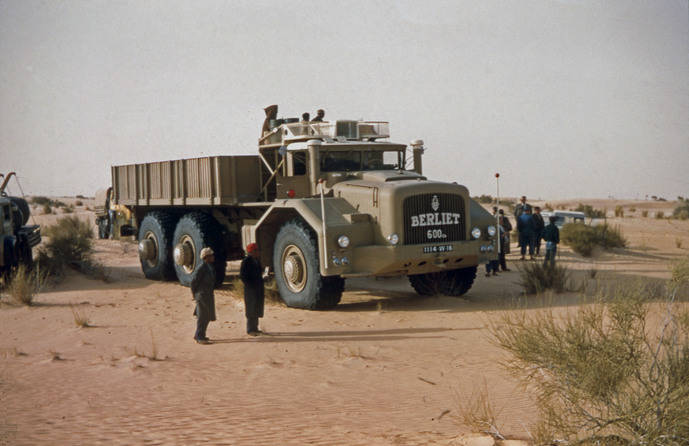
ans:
(16, 237)
(324, 201)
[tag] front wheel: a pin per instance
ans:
(297, 270)
(455, 282)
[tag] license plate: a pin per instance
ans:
(439, 248)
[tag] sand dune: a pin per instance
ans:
(385, 367)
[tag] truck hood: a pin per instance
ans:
(381, 176)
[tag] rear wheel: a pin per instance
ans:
(194, 232)
(450, 283)
(297, 270)
(155, 246)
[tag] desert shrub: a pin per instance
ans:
(590, 212)
(680, 278)
(485, 199)
(682, 210)
(536, 278)
(612, 372)
(68, 209)
(660, 214)
(548, 207)
(78, 203)
(678, 242)
(70, 244)
(632, 209)
(619, 211)
(644, 213)
(40, 201)
(23, 284)
(71, 240)
(583, 238)
(47, 209)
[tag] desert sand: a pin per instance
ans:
(386, 367)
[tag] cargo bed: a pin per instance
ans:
(214, 181)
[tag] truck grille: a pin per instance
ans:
(434, 218)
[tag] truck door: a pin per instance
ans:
(296, 183)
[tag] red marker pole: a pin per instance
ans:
(497, 215)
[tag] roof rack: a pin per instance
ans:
(284, 134)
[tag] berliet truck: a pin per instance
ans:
(324, 201)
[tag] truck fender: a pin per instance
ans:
(308, 210)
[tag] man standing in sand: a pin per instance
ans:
(202, 285)
(539, 224)
(252, 276)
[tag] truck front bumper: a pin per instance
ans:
(380, 260)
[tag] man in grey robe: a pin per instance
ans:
(202, 285)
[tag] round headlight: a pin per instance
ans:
(345, 261)
(393, 239)
(476, 233)
(343, 241)
(491, 230)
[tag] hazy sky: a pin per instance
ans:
(570, 98)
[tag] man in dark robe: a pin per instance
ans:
(505, 227)
(539, 224)
(202, 285)
(252, 276)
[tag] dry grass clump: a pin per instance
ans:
(583, 239)
(154, 354)
(23, 284)
(644, 213)
(619, 211)
(612, 372)
(536, 278)
(80, 319)
(477, 412)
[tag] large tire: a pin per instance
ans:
(297, 270)
(194, 232)
(156, 232)
(449, 283)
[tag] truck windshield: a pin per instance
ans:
(356, 160)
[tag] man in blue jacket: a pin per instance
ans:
(527, 232)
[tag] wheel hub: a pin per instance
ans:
(294, 268)
(147, 249)
(183, 255)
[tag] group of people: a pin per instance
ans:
(203, 285)
(531, 229)
(272, 113)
